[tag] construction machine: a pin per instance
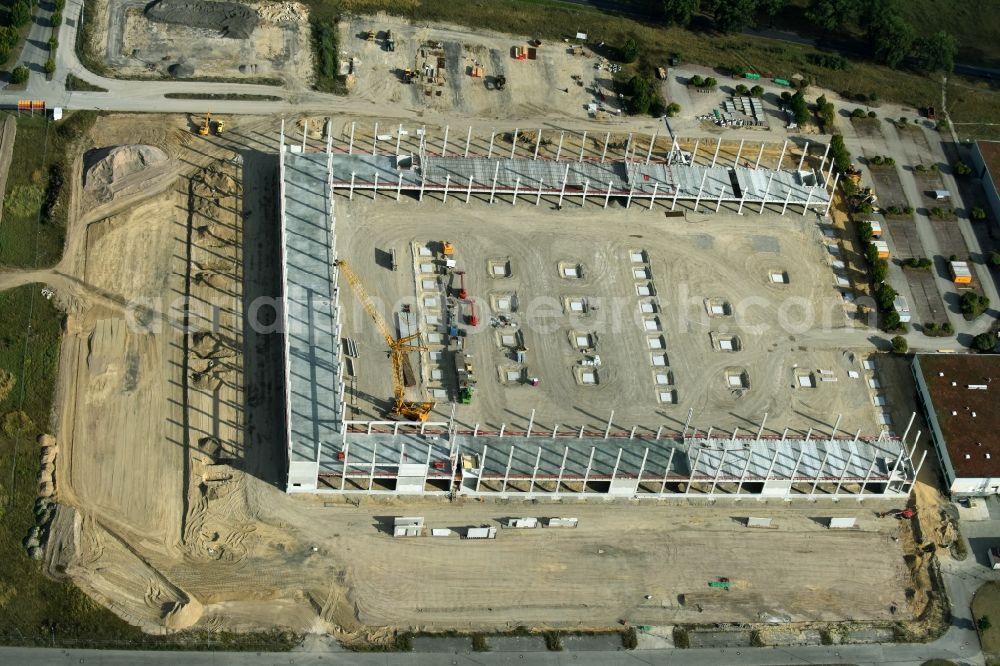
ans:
(205, 125)
(399, 348)
(370, 36)
(390, 43)
(220, 126)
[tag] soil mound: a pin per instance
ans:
(123, 170)
(230, 19)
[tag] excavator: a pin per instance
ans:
(399, 348)
(205, 125)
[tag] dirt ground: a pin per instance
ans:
(135, 46)
(782, 330)
(170, 467)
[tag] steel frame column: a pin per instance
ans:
(468, 192)
(652, 142)
(482, 466)
(718, 145)
(562, 192)
(607, 197)
(697, 201)
(513, 145)
(781, 158)
(538, 143)
(802, 160)
(763, 201)
(447, 180)
(739, 151)
(506, 474)
(374, 141)
(496, 174)
(583, 146)
(444, 143)
(468, 140)
(759, 155)
(652, 199)
(538, 198)
(489, 153)
(562, 135)
(604, 153)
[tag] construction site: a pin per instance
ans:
(173, 502)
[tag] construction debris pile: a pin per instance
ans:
(123, 170)
(230, 19)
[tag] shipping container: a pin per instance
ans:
(902, 309)
(960, 273)
(876, 228)
(883, 249)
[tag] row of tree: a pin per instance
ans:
(890, 37)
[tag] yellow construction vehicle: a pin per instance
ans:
(398, 350)
(205, 125)
(220, 126)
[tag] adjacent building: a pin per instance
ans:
(986, 165)
(959, 399)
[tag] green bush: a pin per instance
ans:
(20, 13)
(995, 258)
(858, 113)
(630, 639)
(877, 160)
(890, 321)
(886, 296)
(710, 82)
(899, 345)
(696, 81)
(962, 169)
(977, 214)
(553, 641)
(630, 50)
(682, 639)
(53, 43)
(673, 109)
(880, 270)
(757, 91)
(404, 642)
(19, 75)
(984, 342)
(50, 66)
(56, 19)
(479, 643)
(742, 90)
(973, 305)
(60, 5)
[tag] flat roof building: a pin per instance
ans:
(960, 403)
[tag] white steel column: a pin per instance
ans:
(482, 466)
(513, 144)
(743, 198)
(468, 192)
(781, 157)
(447, 180)
(534, 472)
(489, 153)
(652, 199)
(517, 185)
(468, 140)
(759, 155)
(694, 153)
(343, 472)
(305, 130)
(371, 472)
(590, 462)
(763, 201)
(718, 472)
(562, 135)
(652, 142)
(374, 140)
(444, 143)
(666, 471)
(628, 146)
(531, 423)
(718, 204)
(351, 195)
(607, 197)
(506, 474)
(847, 466)
(350, 146)
(538, 198)
(631, 188)
(399, 186)
(583, 146)
(538, 143)
(496, 174)
(677, 191)
(832, 191)
(583, 200)
(399, 136)
(805, 206)
(802, 160)
(743, 474)
(607, 430)
(819, 474)
(739, 151)
(607, 138)
(562, 468)
(718, 145)
(618, 459)
(642, 468)
(375, 187)
(868, 475)
(823, 161)
(787, 199)
(562, 193)
(697, 200)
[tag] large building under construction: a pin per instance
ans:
(331, 453)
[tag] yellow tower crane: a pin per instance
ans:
(398, 350)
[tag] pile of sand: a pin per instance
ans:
(123, 170)
(231, 19)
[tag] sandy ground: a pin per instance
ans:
(782, 329)
(138, 47)
(171, 459)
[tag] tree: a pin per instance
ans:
(50, 66)
(892, 39)
(984, 342)
(630, 51)
(757, 91)
(839, 153)
(832, 15)
(800, 109)
(962, 169)
(977, 214)
(891, 321)
(886, 296)
(973, 305)
(732, 15)
(858, 113)
(679, 12)
(984, 623)
(19, 75)
(995, 258)
(880, 270)
(696, 81)
(20, 13)
(937, 52)
(899, 345)
(770, 8)
(742, 89)
(710, 82)
(56, 19)
(673, 109)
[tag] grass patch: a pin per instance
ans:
(76, 84)
(33, 229)
(233, 97)
(324, 45)
(987, 604)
